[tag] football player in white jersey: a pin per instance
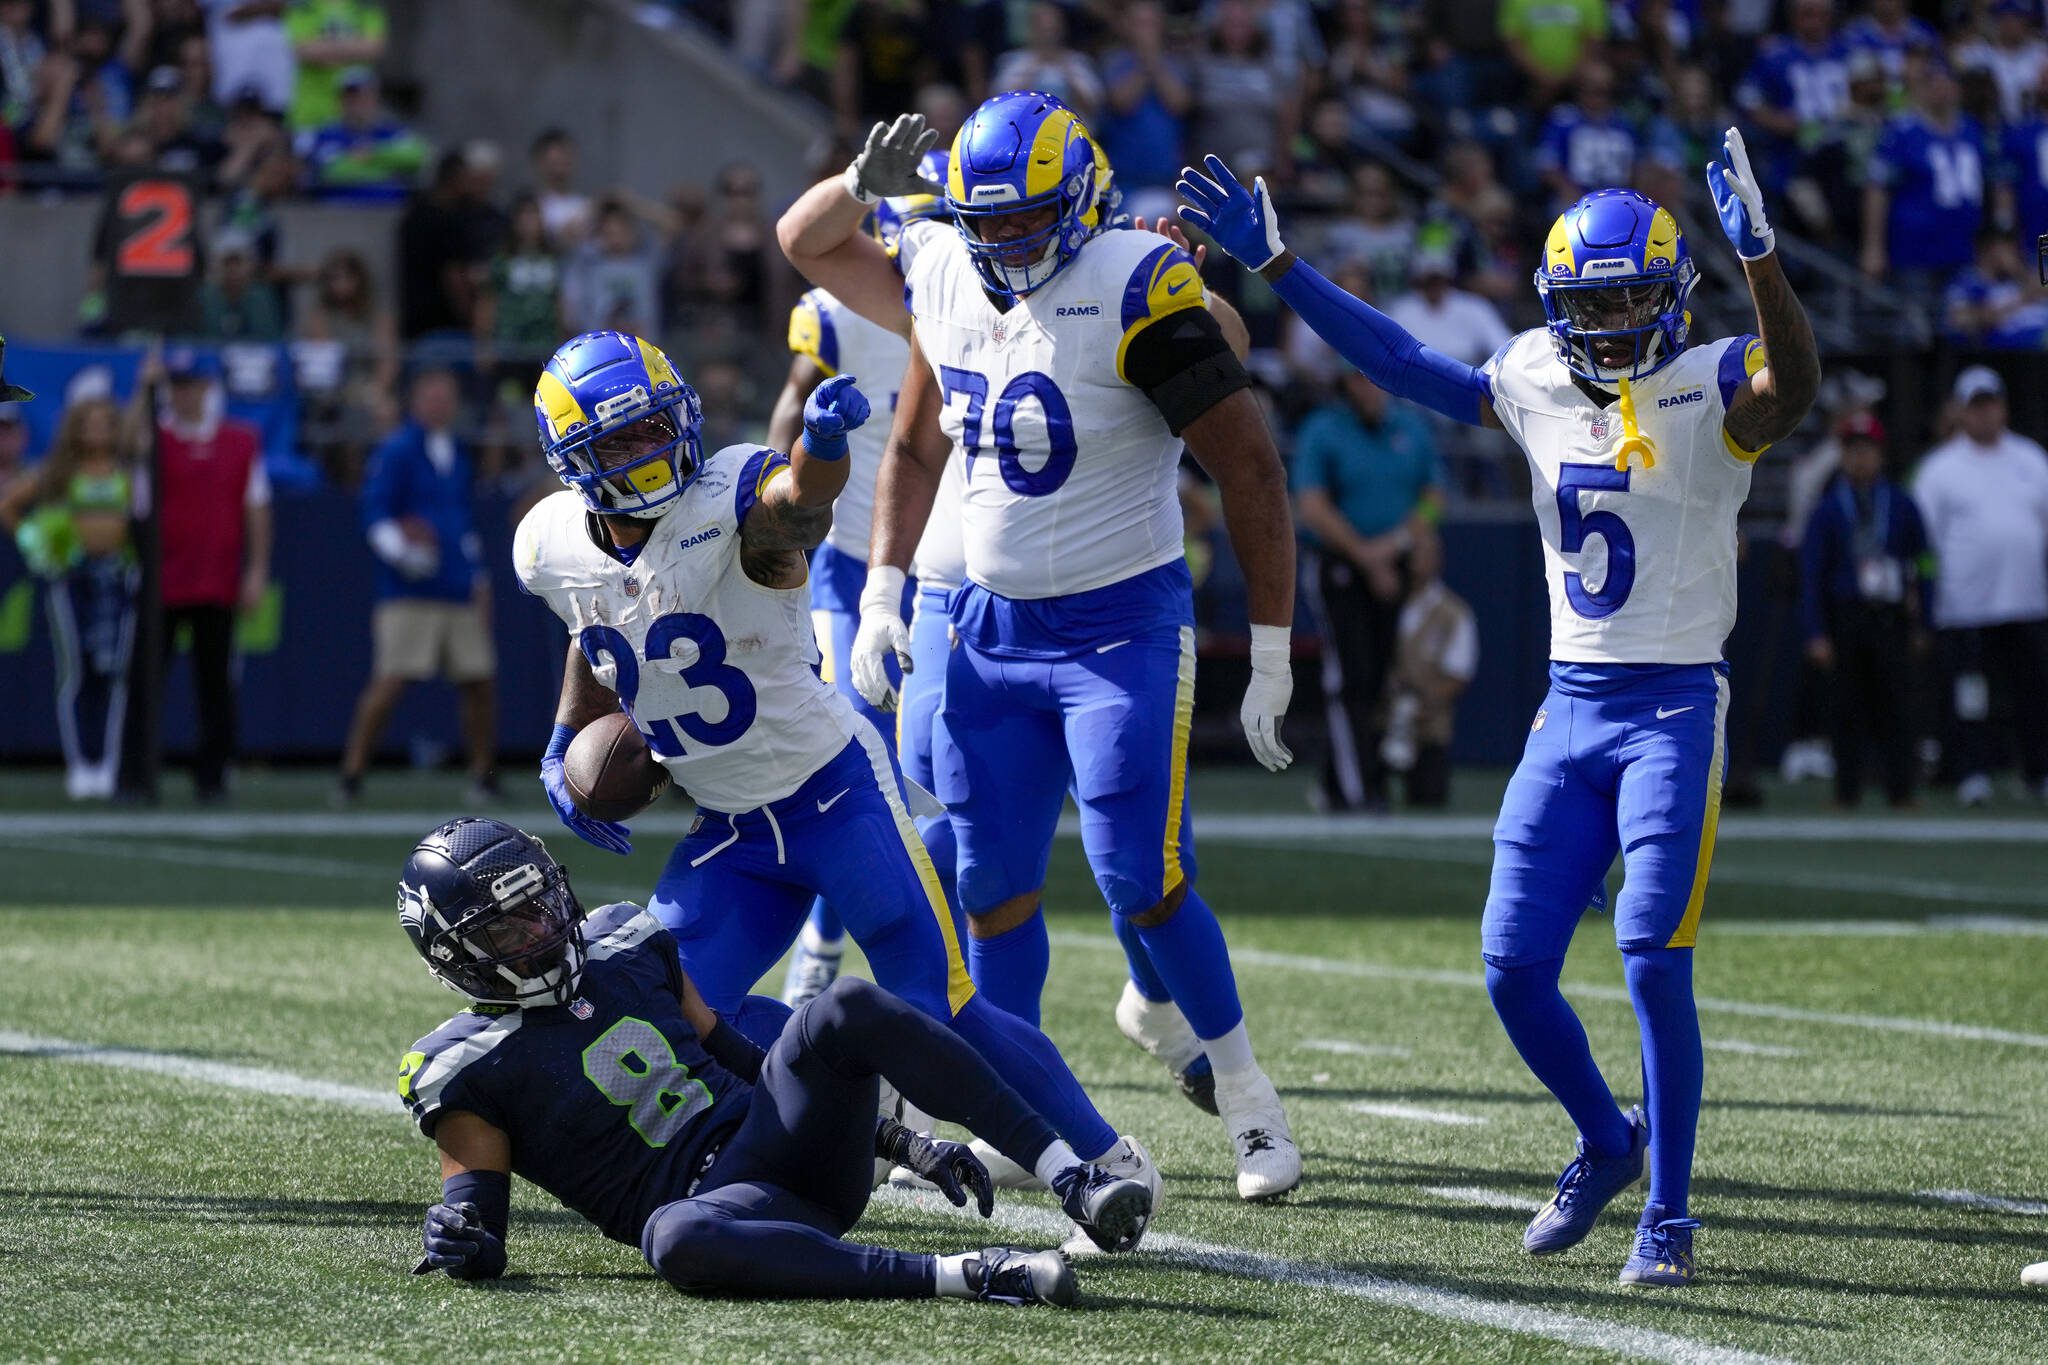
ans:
(1064, 362)
(682, 580)
(827, 338)
(1640, 449)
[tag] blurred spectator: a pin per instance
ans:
(1548, 39)
(436, 261)
(249, 134)
(1325, 157)
(1366, 483)
(433, 611)
(366, 156)
(1984, 496)
(1239, 101)
(345, 312)
(1367, 67)
(21, 59)
(613, 280)
(1046, 63)
(1891, 33)
(251, 53)
(1446, 318)
(252, 211)
(1587, 145)
(2015, 54)
(1436, 656)
(1862, 606)
(70, 517)
(82, 101)
(519, 308)
(1379, 233)
(147, 265)
(165, 118)
(329, 37)
(2022, 193)
(1147, 101)
(236, 304)
(1797, 89)
(1925, 199)
(564, 210)
(887, 49)
(1996, 303)
(214, 529)
(944, 109)
(476, 207)
(742, 268)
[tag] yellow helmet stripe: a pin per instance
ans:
(1047, 165)
(553, 398)
(658, 367)
(1558, 250)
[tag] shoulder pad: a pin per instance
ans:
(434, 1073)
(619, 928)
(1160, 281)
(538, 544)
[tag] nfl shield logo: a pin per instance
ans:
(1000, 332)
(582, 1009)
(1537, 724)
(632, 587)
(1600, 427)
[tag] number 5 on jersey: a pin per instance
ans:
(1574, 525)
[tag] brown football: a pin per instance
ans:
(611, 774)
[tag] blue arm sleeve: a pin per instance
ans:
(1383, 350)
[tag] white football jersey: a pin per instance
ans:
(1640, 561)
(1069, 470)
(719, 672)
(841, 341)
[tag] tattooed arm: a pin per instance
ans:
(1775, 399)
(790, 518)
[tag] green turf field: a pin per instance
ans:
(201, 1156)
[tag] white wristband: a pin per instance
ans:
(1272, 647)
(884, 591)
(853, 185)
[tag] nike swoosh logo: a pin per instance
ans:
(1173, 289)
(824, 806)
(1104, 649)
(1662, 714)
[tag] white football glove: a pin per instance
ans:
(887, 165)
(1265, 701)
(881, 634)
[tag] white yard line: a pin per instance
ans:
(262, 1080)
(1446, 1305)
(1991, 1203)
(1750, 1049)
(1485, 1199)
(1412, 1113)
(1443, 1304)
(1344, 1047)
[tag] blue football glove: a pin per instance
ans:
(1239, 220)
(605, 834)
(1739, 201)
(457, 1241)
(834, 408)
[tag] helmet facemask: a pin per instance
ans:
(1607, 331)
(638, 456)
(525, 947)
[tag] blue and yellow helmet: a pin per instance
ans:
(1023, 152)
(891, 216)
(618, 424)
(1615, 281)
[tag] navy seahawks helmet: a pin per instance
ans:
(493, 915)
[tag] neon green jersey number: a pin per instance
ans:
(635, 1067)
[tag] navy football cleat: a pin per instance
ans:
(1585, 1188)
(1663, 1254)
(1113, 1210)
(1013, 1275)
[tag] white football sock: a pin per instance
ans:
(952, 1275)
(1054, 1160)
(815, 942)
(1230, 1055)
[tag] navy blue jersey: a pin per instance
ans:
(611, 1105)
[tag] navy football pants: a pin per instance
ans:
(795, 1175)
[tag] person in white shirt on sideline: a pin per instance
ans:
(1446, 318)
(1984, 496)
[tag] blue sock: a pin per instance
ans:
(1010, 968)
(1026, 1059)
(1660, 985)
(1144, 975)
(1553, 1044)
(1193, 963)
(825, 920)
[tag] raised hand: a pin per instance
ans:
(1239, 220)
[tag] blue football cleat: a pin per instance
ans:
(1663, 1254)
(1585, 1188)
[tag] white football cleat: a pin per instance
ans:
(2035, 1276)
(1006, 1174)
(1163, 1031)
(814, 967)
(1268, 1162)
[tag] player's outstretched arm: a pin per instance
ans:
(1777, 397)
(905, 487)
(465, 1232)
(583, 700)
(794, 509)
(1243, 223)
(821, 236)
(1232, 443)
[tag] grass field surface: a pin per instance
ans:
(203, 1156)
